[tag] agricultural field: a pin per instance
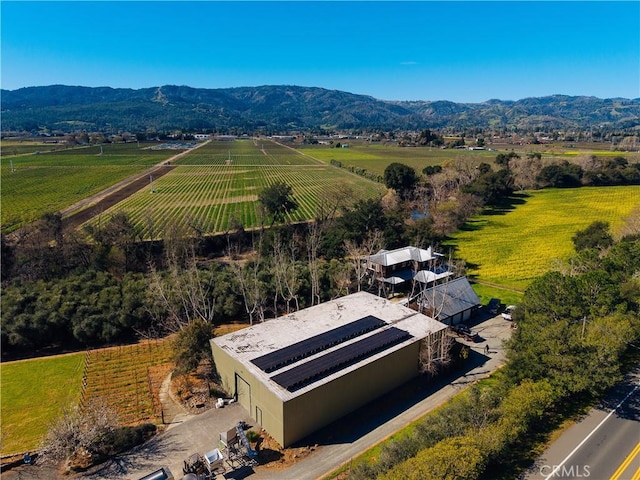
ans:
(25, 384)
(128, 379)
(10, 148)
(375, 157)
(29, 193)
(510, 249)
(35, 184)
(256, 152)
(218, 185)
(116, 154)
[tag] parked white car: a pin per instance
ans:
(508, 311)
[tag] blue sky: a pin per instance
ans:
(459, 51)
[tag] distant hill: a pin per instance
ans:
(277, 108)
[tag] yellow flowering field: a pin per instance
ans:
(513, 248)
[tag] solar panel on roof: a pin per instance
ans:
(323, 366)
(282, 357)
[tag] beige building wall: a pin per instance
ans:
(321, 406)
(297, 418)
(257, 399)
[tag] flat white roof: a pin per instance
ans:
(252, 342)
(403, 254)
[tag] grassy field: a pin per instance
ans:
(35, 184)
(510, 249)
(34, 393)
(126, 378)
(10, 149)
(374, 157)
(222, 180)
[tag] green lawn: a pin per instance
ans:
(510, 249)
(34, 392)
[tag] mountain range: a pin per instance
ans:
(279, 108)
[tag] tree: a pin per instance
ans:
(79, 431)
(492, 187)
(484, 168)
(115, 242)
(427, 137)
(285, 273)
(432, 169)
(525, 171)
(573, 328)
(315, 233)
(595, 235)
(357, 253)
(191, 346)
(365, 216)
(435, 352)
(451, 459)
(182, 293)
(250, 282)
(560, 175)
(401, 178)
(503, 159)
(46, 249)
(277, 199)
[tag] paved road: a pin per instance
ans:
(604, 445)
(200, 433)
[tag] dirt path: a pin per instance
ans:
(171, 408)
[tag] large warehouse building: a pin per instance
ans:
(298, 373)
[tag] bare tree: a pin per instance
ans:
(329, 205)
(357, 254)
(447, 183)
(251, 286)
(285, 273)
(78, 431)
(183, 292)
(314, 237)
(525, 172)
(631, 225)
(435, 352)
(589, 162)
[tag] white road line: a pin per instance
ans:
(557, 467)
